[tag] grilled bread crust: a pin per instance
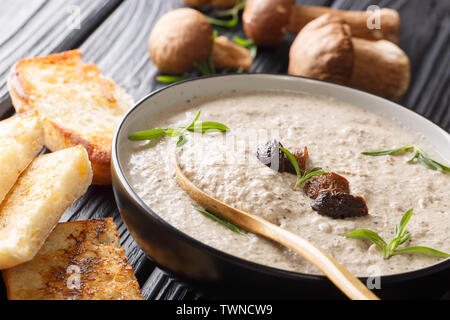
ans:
(30, 211)
(76, 104)
(80, 260)
(21, 138)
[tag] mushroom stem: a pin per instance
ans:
(380, 67)
(357, 21)
(228, 55)
(268, 21)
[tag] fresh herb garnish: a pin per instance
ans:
(223, 222)
(179, 132)
(301, 178)
(233, 12)
(419, 155)
(169, 79)
(249, 44)
(401, 235)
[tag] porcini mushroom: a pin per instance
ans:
(183, 37)
(324, 49)
(268, 21)
(213, 3)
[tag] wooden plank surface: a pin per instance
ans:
(114, 36)
(39, 27)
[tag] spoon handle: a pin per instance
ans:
(337, 273)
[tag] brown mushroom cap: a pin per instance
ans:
(266, 21)
(180, 38)
(323, 50)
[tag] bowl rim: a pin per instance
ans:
(137, 201)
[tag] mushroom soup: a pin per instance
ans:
(225, 165)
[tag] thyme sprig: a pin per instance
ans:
(401, 235)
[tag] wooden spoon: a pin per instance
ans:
(337, 273)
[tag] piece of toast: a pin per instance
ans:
(49, 185)
(21, 139)
(76, 104)
(80, 260)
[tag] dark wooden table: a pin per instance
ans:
(113, 34)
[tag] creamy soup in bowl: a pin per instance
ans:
(226, 166)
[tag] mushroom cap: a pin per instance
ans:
(180, 38)
(266, 21)
(323, 50)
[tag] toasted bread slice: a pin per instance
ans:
(80, 260)
(33, 207)
(76, 104)
(21, 138)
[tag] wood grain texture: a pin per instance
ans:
(38, 27)
(114, 35)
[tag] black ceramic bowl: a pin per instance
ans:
(227, 276)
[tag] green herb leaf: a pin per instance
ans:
(293, 161)
(425, 160)
(424, 250)
(249, 44)
(208, 125)
(180, 141)
(400, 237)
(224, 23)
(169, 79)
(365, 234)
(174, 132)
(421, 156)
(311, 173)
(377, 153)
(223, 222)
(194, 121)
(301, 178)
(403, 222)
(180, 132)
(243, 42)
(403, 238)
(147, 135)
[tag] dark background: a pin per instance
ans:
(113, 34)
